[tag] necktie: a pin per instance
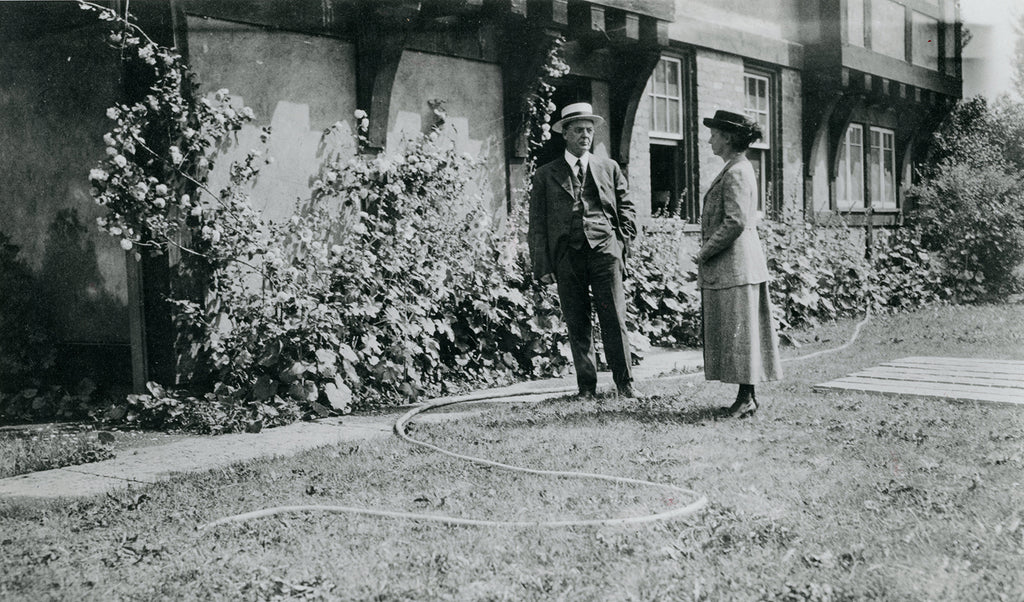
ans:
(577, 176)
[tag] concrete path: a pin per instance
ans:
(159, 462)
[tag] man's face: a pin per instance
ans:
(579, 135)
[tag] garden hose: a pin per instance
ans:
(699, 501)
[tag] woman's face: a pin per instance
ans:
(720, 142)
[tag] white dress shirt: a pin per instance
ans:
(584, 159)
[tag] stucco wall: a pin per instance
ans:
(820, 199)
(472, 95)
(54, 92)
(297, 84)
(640, 156)
(792, 141)
(778, 19)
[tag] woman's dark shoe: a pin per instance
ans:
(745, 409)
(742, 397)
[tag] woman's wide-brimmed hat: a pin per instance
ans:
(575, 111)
(731, 122)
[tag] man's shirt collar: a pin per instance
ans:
(571, 159)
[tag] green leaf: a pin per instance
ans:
(265, 388)
(338, 395)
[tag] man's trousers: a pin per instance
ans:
(581, 272)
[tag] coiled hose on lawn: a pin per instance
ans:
(699, 500)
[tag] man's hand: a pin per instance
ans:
(547, 279)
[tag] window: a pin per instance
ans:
(881, 169)
(850, 179)
(757, 106)
(855, 22)
(672, 151)
(667, 99)
(925, 41)
(888, 33)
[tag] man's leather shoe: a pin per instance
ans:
(627, 392)
(586, 394)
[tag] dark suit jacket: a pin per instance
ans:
(731, 252)
(551, 202)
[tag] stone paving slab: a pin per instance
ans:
(159, 462)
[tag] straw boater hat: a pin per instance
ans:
(575, 111)
(731, 122)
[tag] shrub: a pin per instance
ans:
(388, 282)
(969, 205)
(818, 271)
(662, 299)
(904, 275)
(973, 218)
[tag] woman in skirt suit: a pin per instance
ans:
(740, 342)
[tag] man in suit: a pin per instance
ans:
(581, 225)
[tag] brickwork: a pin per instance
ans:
(719, 86)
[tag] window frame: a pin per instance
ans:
(684, 182)
(844, 202)
(872, 157)
(767, 151)
(754, 113)
(654, 96)
(882, 134)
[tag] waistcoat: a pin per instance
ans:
(590, 225)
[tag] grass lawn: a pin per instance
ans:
(818, 497)
(33, 447)
(42, 447)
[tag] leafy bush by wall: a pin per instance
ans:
(904, 275)
(969, 204)
(663, 302)
(819, 271)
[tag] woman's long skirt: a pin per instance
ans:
(740, 342)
